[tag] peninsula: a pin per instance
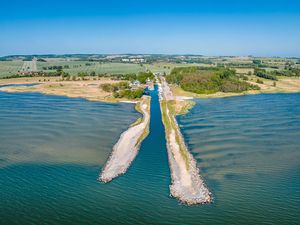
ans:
(187, 184)
(126, 149)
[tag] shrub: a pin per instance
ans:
(130, 94)
(115, 87)
(259, 81)
(143, 76)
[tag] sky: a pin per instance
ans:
(206, 27)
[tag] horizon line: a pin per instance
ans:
(165, 54)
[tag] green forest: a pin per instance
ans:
(208, 80)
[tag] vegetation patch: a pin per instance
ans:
(141, 120)
(180, 107)
(142, 77)
(170, 124)
(263, 74)
(289, 72)
(122, 90)
(202, 80)
(138, 108)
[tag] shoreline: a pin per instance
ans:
(187, 185)
(87, 89)
(128, 145)
(284, 86)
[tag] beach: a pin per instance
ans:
(89, 88)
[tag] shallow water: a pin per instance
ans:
(19, 85)
(52, 149)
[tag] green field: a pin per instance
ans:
(74, 67)
(162, 64)
(8, 68)
(167, 67)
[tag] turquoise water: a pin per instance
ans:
(52, 150)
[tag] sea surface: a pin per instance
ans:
(52, 150)
(19, 85)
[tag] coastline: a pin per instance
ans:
(87, 89)
(284, 85)
(128, 145)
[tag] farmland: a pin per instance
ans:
(8, 68)
(249, 69)
(75, 67)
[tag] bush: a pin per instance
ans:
(244, 77)
(130, 76)
(259, 81)
(108, 87)
(130, 94)
(82, 74)
(115, 87)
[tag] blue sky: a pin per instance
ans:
(232, 27)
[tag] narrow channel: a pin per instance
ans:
(152, 160)
(149, 174)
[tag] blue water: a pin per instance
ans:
(19, 85)
(52, 150)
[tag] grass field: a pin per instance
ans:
(167, 67)
(74, 67)
(8, 68)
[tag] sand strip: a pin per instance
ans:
(126, 149)
(187, 184)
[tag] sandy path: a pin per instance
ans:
(29, 66)
(126, 149)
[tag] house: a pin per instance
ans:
(150, 84)
(135, 84)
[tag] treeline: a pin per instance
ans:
(291, 72)
(141, 76)
(263, 74)
(272, 75)
(39, 74)
(56, 67)
(60, 67)
(122, 90)
(202, 80)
